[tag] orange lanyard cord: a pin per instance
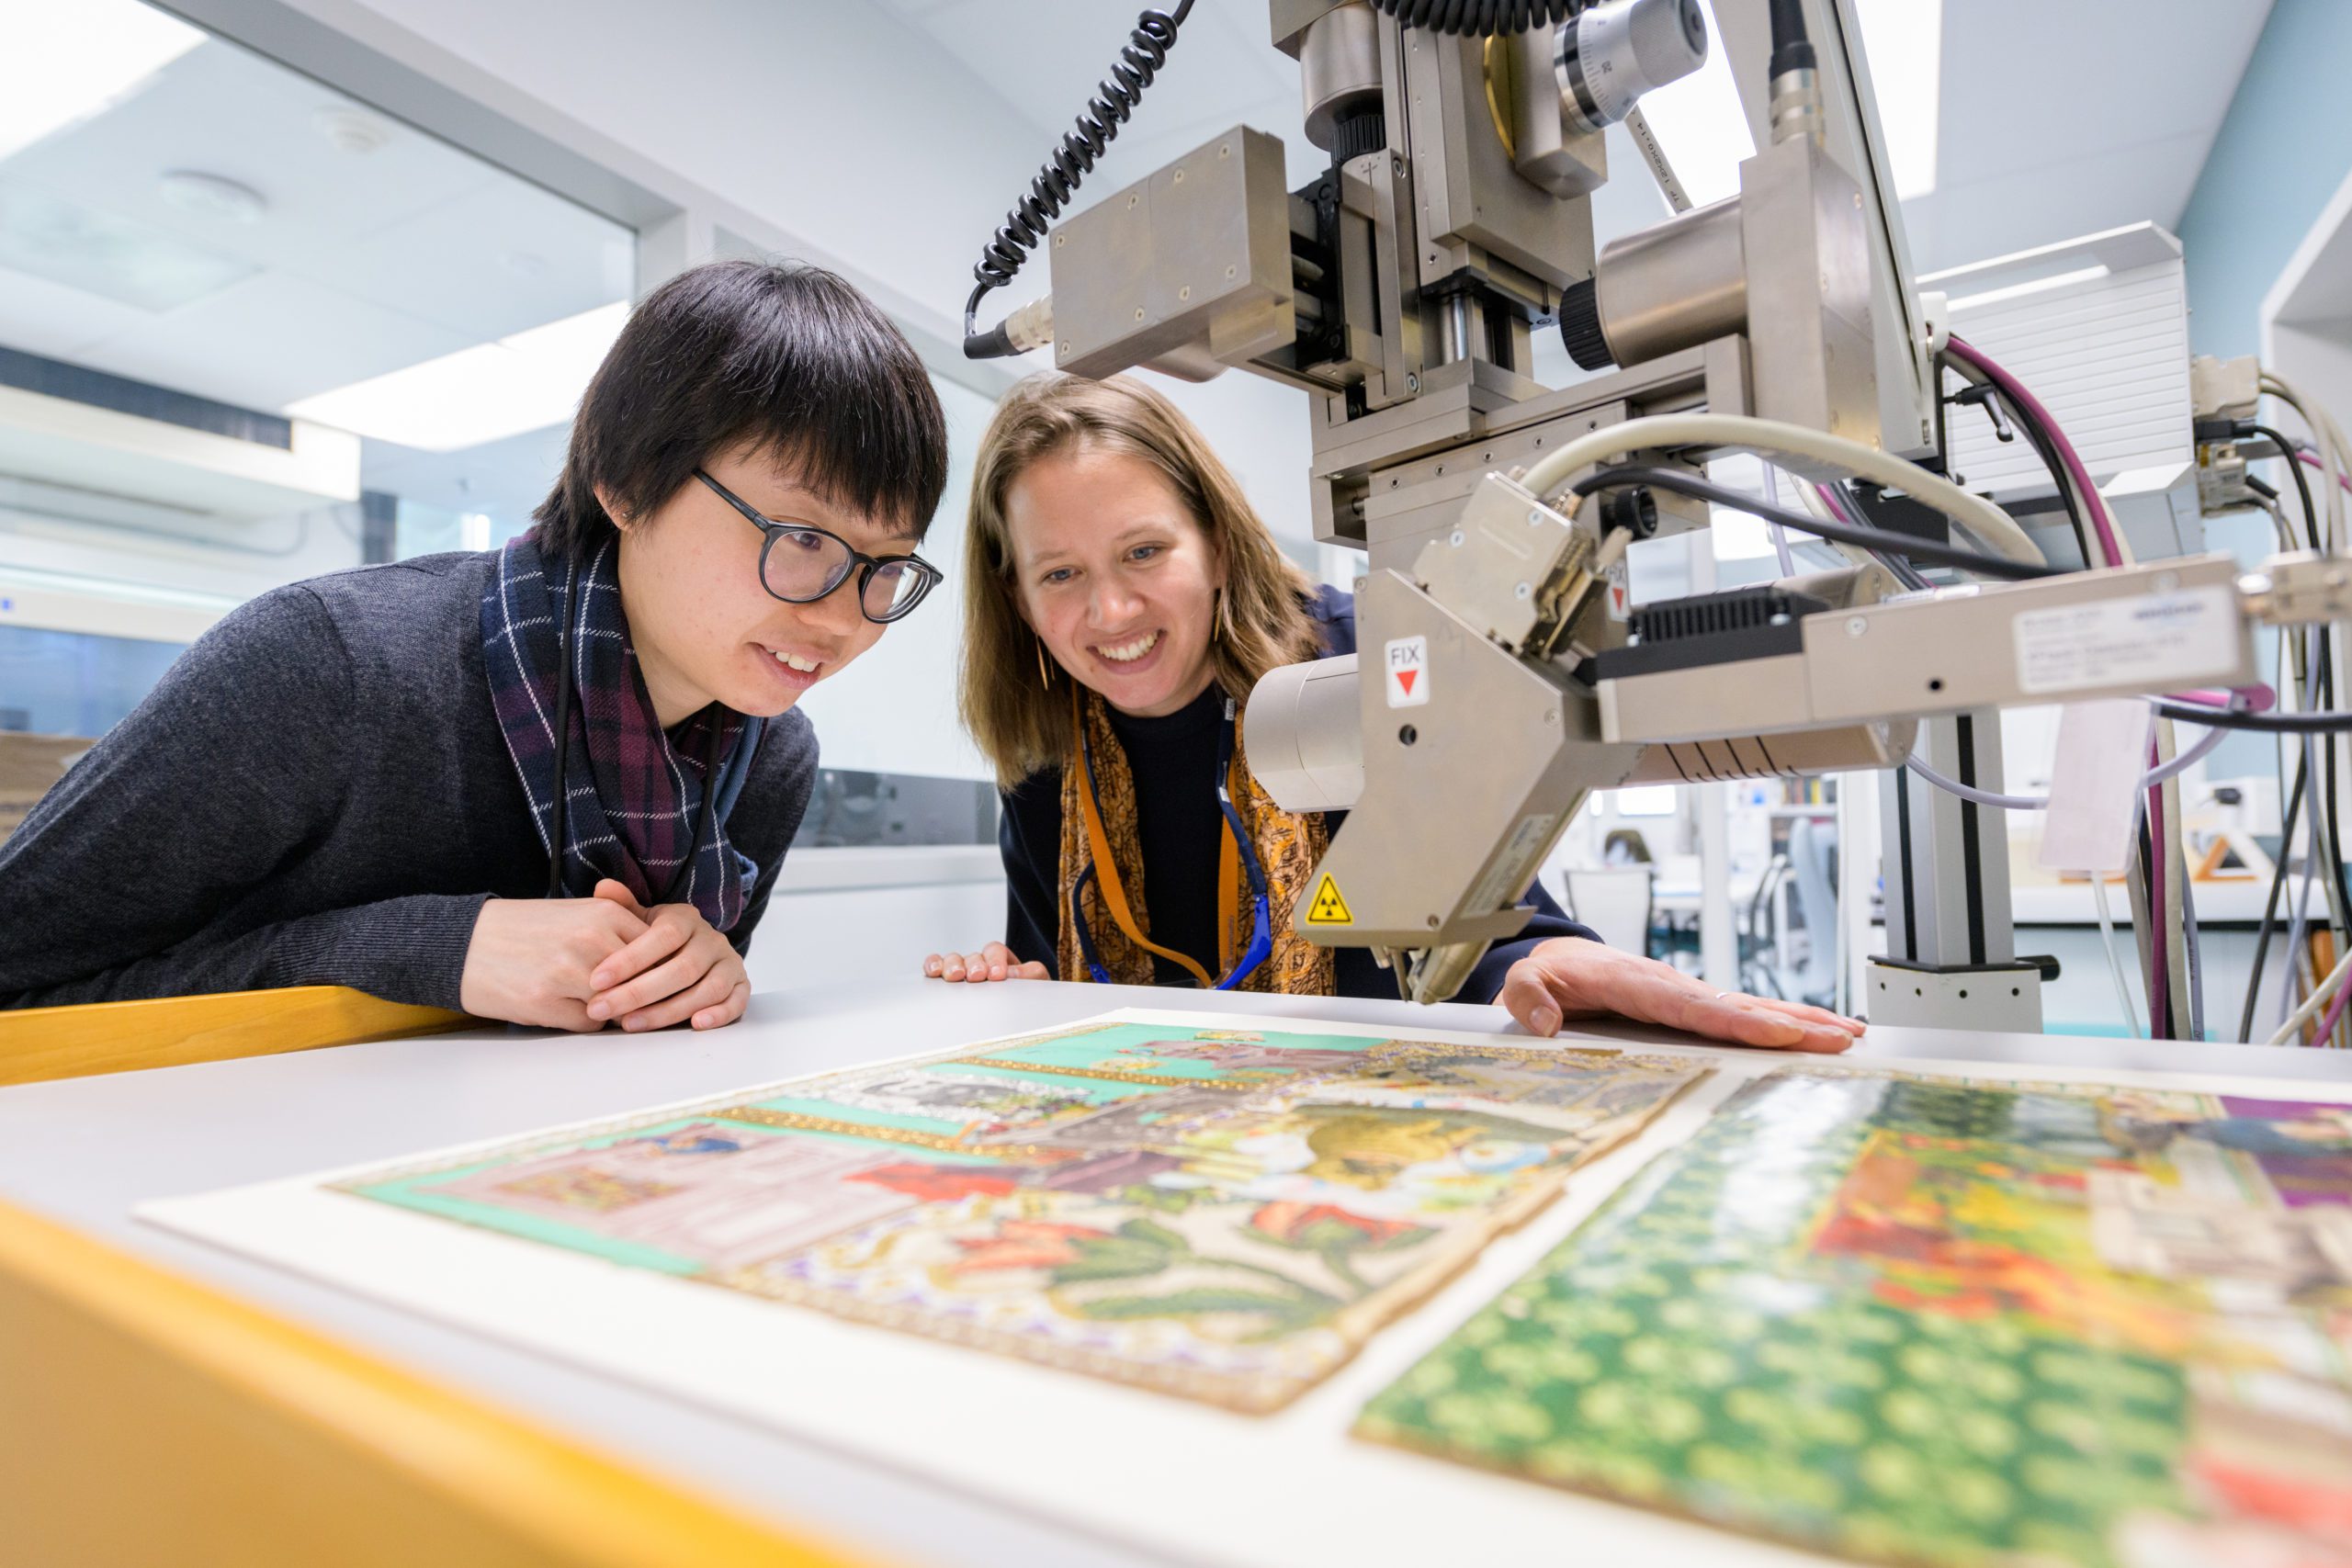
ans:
(1228, 880)
(1106, 871)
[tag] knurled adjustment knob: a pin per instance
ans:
(1581, 328)
(1358, 132)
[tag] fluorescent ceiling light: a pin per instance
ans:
(2021, 290)
(1702, 126)
(528, 381)
(1904, 40)
(66, 61)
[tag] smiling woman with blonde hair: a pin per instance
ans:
(1121, 599)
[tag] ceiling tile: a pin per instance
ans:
(495, 261)
(54, 319)
(266, 342)
(220, 111)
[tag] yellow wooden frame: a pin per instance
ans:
(145, 1418)
(38, 1043)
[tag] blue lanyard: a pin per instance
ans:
(1261, 936)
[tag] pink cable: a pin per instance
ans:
(2159, 998)
(2334, 1012)
(2343, 992)
(2013, 390)
(2159, 1002)
(2310, 459)
(2255, 698)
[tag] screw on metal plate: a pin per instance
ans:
(1535, 518)
(1524, 591)
(1856, 625)
(1456, 540)
(1412, 382)
(1185, 292)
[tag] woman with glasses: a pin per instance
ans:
(1121, 599)
(551, 783)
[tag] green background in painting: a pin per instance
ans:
(1683, 1351)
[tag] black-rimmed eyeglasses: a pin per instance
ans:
(800, 563)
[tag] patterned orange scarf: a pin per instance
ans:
(1289, 845)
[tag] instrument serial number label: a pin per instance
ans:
(2143, 642)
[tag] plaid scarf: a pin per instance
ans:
(635, 790)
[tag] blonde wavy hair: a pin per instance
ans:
(1021, 724)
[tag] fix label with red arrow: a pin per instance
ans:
(1407, 665)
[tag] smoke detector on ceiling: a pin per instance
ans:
(212, 195)
(352, 131)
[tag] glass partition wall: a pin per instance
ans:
(251, 330)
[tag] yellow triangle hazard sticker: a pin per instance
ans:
(1328, 908)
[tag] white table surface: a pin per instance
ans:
(86, 1150)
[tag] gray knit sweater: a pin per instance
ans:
(316, 794)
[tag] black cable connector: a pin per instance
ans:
(1866, 538)
(1791, 49)
(1633, 508)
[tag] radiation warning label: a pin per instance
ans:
(1408, 671)
(1328, 908)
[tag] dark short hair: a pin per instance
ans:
(788, 357)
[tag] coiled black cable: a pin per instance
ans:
(1057, 178)
(1477, 18)
(1114, 99)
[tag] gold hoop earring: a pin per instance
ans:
(1045, 675)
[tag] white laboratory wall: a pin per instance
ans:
(894, 710)
(827, 924)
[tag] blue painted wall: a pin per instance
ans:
(2283, 148)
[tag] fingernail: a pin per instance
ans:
(633, 1024)
(1545, 1021)
(598, 1011)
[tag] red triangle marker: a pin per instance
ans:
(1405, 679)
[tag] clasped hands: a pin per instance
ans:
(579, 964)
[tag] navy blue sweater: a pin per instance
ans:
(1175, 762)
(317, 793)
